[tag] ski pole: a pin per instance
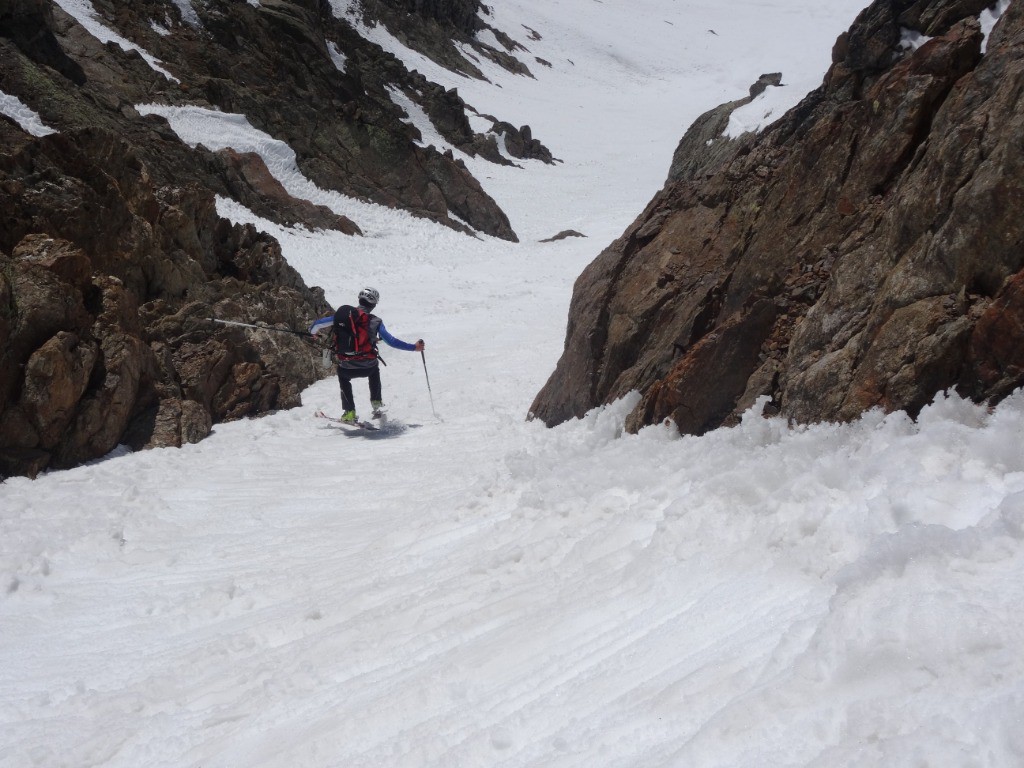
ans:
(425, 373)
(260, 327)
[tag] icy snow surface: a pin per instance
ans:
(23, 115)
(478, 591)
(339, 58)
(769, 105)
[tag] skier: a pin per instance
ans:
(356, 332)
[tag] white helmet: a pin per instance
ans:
(369, 297)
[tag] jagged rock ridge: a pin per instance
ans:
(865, 250)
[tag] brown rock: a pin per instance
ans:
(62, 258)
(22, 461)
(995, 354)
(564, 234)
(103, 414)
(702, 388)
(97, 343)
(56, 376)
(171, 424)
(234, 398)
(917, 352)
(202, 370)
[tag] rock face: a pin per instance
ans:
(105, 332)
(460, 14)
(866, 250)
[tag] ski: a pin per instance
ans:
(347, 424)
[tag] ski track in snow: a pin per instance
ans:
(529, 615)
(478, 591)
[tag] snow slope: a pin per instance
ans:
(478, 591)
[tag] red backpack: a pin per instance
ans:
(352, 337)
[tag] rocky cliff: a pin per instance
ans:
(864, 251)
(112, 256)
(107, 286)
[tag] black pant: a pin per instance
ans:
(345, 376)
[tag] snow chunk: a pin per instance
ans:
(478, 123)
(422, 122)
(23, 115)
(764, 110)
(339, 58)
(911, 40)
(487, 37)
(85, 14)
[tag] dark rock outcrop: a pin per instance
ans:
(105, 332)
(432, 27)
(865, 250)
(429, 27)
(519, 142)
(564, 234)
(459, 14)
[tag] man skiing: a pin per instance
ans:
(356, 332)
